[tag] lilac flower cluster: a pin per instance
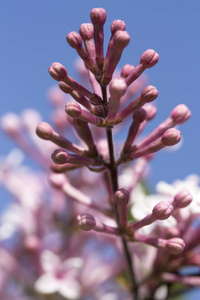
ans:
(135, 245)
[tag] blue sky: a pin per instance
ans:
(33, 35)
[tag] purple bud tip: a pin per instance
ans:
(126, 70)
(44, 131)
(117, 88)
(149, 93)
(182, 199)
(149, 58)
(98, 16)
(117, 25)
(57, 71)
(162, 210)
(86, 31)
(121, 197)
(175, 245)
(60, 156)
(121, 39)
(180, 114)
(57, 180)
(73, 109)
(140, 115)
(74, 39)
(171, 137)
(86, 222)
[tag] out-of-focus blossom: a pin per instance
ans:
(59, 276)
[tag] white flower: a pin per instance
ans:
(59, 276)
(191, 183)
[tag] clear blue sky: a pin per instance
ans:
(32, 36)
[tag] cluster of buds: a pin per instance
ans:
(105, 201)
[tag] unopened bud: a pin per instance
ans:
(44, 131)
(122, 197)
(162, 210)
(180, 114)
(117, 88)
(117, 25)
(149, 58)
(73, 109)
(149, 93)
(182, 199)
(175, 245)
(98, 16)
(86, 222)
(171, 137)
(60, 156)
(126, 70)
(57, 71)
(74, 39)
(86, 31)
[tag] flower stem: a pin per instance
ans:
(114, 179)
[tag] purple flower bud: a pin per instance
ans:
(74, 40)
(57, 71)
(162, 210)
(149, 93)
(121, 197)
(98, 17)
(117, 90)
(180, 114)
(126, 70)
(175, 245)
(182, 199)
(60, 156)
(117, 25)
(87, 32)
(77, 96)
(86, 222)
(115, 47)
(171, 137)
(44, 131)
(149, 58)
(74, 110)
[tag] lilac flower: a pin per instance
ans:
(59, 276)
(151, 236)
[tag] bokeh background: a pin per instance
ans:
(33, 35)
